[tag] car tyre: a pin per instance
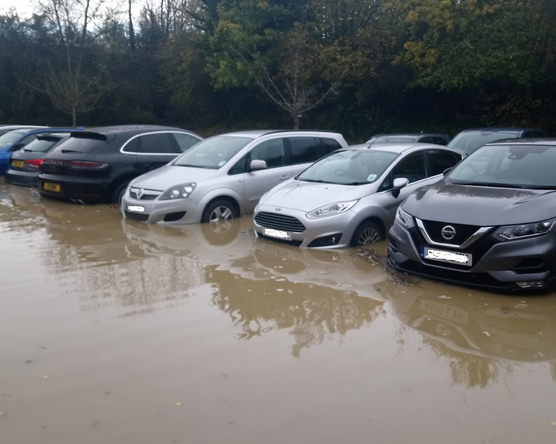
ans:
(118, 193)
(367, 233)
(219, 210)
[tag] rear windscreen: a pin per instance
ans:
(43, 144)
(80, 145)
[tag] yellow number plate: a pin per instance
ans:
(51, 187)
(17, 163)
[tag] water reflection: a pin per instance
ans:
(484, 336)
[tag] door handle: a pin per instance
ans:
(284, 177)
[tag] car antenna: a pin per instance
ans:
(372, 141)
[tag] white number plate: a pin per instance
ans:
(447, 256)
(277, 234)
(135, 209)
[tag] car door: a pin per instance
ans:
(256, 183)
(411, 167)
(154, 150)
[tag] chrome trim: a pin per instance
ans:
(156, 132)
(470, 241)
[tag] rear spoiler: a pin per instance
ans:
(88, 135)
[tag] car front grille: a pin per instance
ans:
(280, 222)
(146, 194)
(463, 232)
(136, 216)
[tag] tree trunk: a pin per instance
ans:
(74, 117)
(131, 30)
(296, 121)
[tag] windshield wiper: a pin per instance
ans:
(490, 184)
(313, 180)
(71, 151)
(194, 166)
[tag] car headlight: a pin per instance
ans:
(331, 209)
(178, 191)
(404, 218)
(512, 232)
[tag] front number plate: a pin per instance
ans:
(135, 209)
(446, 256)
(277, 234)
(51, 187)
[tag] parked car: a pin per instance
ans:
(224, 176)
(14, 140)
(4, 128)
(350, 197)
(97, 165)
(490, 223)
(25, 163)
(471, 139)
(437, 139)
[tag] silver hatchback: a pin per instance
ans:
(350, 197)
(224, 176)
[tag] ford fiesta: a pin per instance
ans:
(490, 223)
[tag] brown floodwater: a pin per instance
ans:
(119, 332)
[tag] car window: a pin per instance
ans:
(329, 145)
(9, 139)
(271, 151)
(155, 144)
(439, 141)
(43, 144)
(426, 140)
(440, 160)
(212, 153)
(23, 142)
(538, 134)
(527, 134)
(185, 141)
(303, 150)
(411, 167)
(469, 141)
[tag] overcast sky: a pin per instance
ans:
(24, 7)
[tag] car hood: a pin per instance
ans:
(169, 175)
(307, 196)
(484, 206)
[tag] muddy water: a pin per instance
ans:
(115, 332)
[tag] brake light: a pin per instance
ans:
(87, 165)
(34, 163)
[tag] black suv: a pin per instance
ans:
(96, 165)
(490, 223)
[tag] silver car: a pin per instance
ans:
(224, 176)
(350, 197)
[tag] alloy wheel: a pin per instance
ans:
(369, 236)
(220, 213)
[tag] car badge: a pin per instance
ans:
(448, 232)
(278, 209)
(140, 193)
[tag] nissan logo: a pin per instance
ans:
(448, 232)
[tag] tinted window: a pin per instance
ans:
(80, 143)
(186, 141)
(441, 160)
(43, 144)
(330, 145)
(303, 149)
(426, 140)
(271, 151)
(411, 168)
(527, 134)
(439, 141)
(538, 134)
(132, 146)
(155, 144)
(471, 140)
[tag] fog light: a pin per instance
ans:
(531, 284)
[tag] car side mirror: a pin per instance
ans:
(399, 183)
(256, 165)
(447, 171)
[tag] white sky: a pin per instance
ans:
(24, 7)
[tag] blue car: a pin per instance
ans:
(16, 139)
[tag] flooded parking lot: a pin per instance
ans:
(120, 332)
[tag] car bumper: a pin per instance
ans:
(342, 225)
(78, 188)
(496, 269)
(23, 178)
(157, 211)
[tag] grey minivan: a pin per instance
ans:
(224, 176)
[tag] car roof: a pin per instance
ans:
(410, 135)
(399, 147)
(501, 129)
(25, 131)
(533, 142)
(132, 128)
(13, 127)
(259, 133)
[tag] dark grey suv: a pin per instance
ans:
(489, 223)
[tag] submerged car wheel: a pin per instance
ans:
(118, 193)
(218, 211)
(367, 233)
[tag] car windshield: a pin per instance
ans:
(470, 141)
(349, 167)
(9, 138)
(514, 166)
(43, 144)
(212, 153)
